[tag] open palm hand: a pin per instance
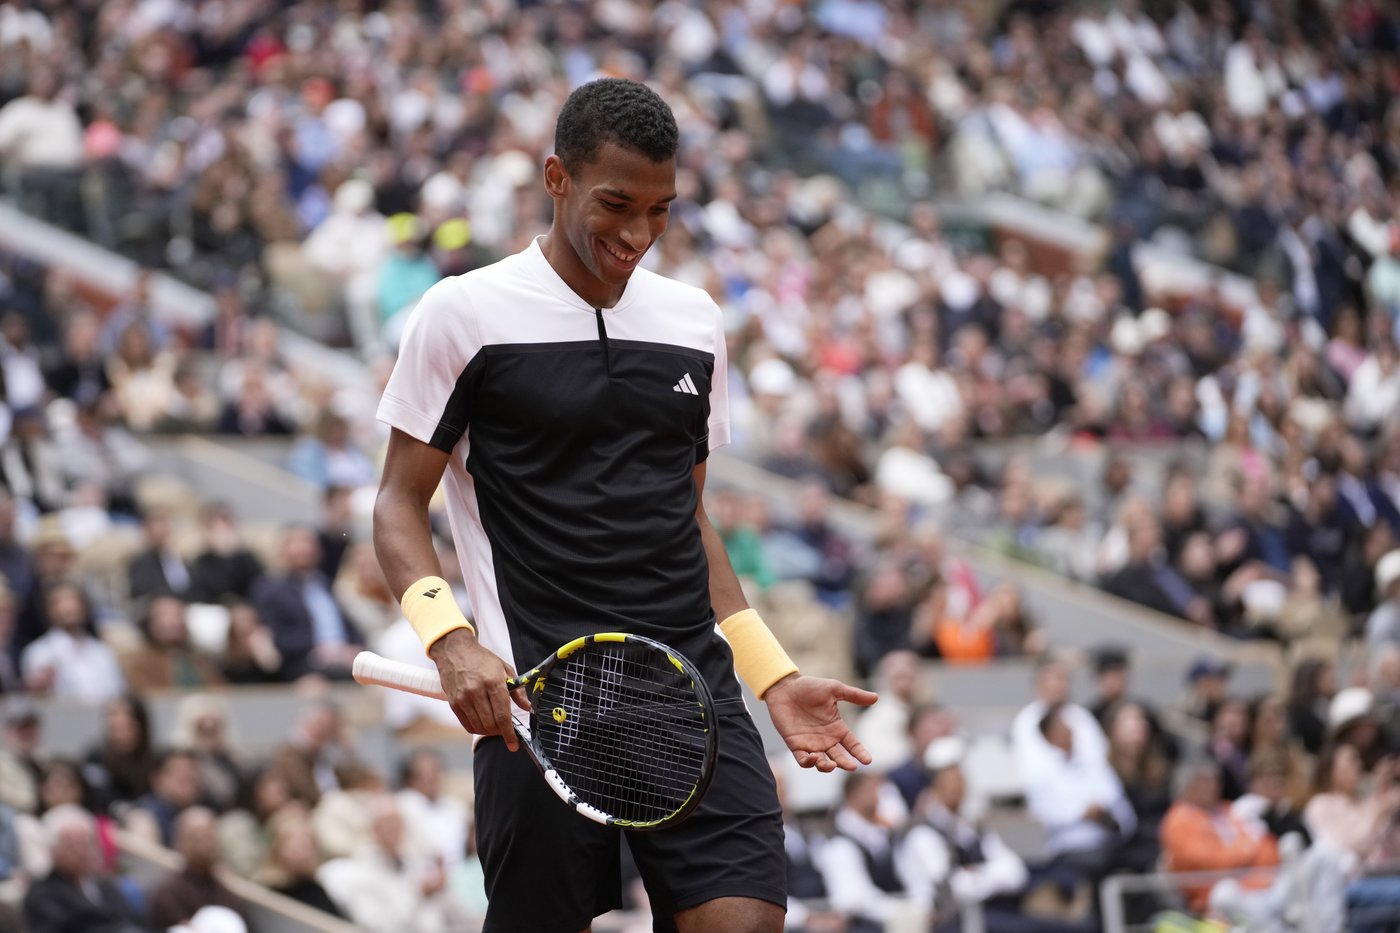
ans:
(806, 713)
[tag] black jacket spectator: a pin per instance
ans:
(58, 905)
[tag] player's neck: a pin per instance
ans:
(560, 255)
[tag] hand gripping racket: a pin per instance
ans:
(622, 727)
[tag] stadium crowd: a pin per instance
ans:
(318, 165)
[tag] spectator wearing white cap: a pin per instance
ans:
(950, 861)
(1352, 720)
(1383, 625)
(864, 878)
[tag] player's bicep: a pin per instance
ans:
(412, 468)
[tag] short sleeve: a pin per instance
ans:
(719, 390)
(431, 390)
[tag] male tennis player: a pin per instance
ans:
(572, 399)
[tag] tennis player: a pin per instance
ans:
(572, 399)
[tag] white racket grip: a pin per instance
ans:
(372, 670)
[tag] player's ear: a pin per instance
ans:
(556, 177)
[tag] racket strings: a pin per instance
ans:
(632, 737)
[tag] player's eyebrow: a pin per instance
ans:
(621, 195)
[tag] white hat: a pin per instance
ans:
(1126, 337)
(1387, 571)
(1263, 600)
(1155, 324)
(772, 377)
(945, 752)
(1348, 706)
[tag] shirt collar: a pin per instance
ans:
(537, 262)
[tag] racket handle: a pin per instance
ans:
(373, 670)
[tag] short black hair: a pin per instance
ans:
(614, 110)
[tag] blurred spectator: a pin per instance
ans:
(292, 862)
(202, 727)
(859, 862)
(1149, 580)
(364, 594)
(79, 373)
(120, 766)
(254, 411)
(1361, 825)
(1383, 625)
(328, 458)
(407, 271)
(1228, 747)
(1207, 683)
(884, 616)
(1144, 770)
(1200, 834)
(158, 570)
(311, 632)
(251, 655)
(225, 570)
(1271, 739)
(195, 885)
(10, 680)
(68, 660)
(75, 896)
(309, 761)
(1271, 799)
(164, 658)
(1314, 685)
(884, 727)
(41, 135)
(1351, 720)
(806, 907)
(927, 724)
(385, 888)
(1075, 794)
(21, 762)
(336, 529)
(174, 790)
(951, 862)
(1052, 690)
(428, 811)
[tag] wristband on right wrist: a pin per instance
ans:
(759, 659)
(432, 610)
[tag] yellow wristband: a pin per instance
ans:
(432, 611)
(759, 660)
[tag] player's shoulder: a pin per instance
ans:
(457, 295)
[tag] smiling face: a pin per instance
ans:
(608, 211)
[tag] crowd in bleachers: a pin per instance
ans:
(320, 164)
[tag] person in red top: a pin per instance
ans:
(1199, 833)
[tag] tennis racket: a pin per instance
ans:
(622, 727)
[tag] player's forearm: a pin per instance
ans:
(403, 540)
(726, 595)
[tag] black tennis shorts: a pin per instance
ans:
(550, 870)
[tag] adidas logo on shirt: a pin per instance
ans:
(685, 385)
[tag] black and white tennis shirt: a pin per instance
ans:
(572, 433)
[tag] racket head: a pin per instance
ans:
(623, 729)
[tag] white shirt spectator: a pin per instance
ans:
(37, 133)
(83, 667)
(926, 860)
(1374, 395)
(848, 884)
(1061, 791)
(1031, 747)
(442, 823)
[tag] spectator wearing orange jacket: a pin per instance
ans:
(1199, 833)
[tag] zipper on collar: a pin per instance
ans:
(603, 341)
